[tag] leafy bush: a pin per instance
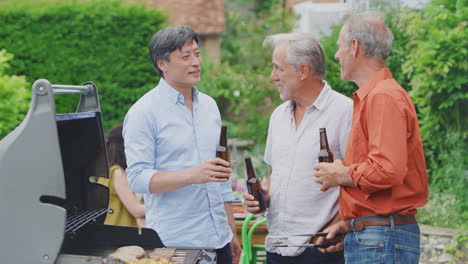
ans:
(437, 65)
(241, 84)
(398, 55)
(442, 210)
(458, 248)
(332, 66)
(15, 97)
(70, 42)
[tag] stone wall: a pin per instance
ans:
(433, 242)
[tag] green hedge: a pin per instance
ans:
(70, 42)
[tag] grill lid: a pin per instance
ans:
(33, 159)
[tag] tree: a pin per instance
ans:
(241, 84)
(15, 96)
(437, 66)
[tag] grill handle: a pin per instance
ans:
(72, 89)
(88, 94)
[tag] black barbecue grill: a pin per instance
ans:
(52, 209)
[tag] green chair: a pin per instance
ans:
(252, 254)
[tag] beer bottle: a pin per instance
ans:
(325, 155)
(254, 186)
(223, 151)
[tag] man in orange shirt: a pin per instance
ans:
(383, 179)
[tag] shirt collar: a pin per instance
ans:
(319, 104)
(365, 89)
(290, 106)
(173, 94)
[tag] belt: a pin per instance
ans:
(359, 225)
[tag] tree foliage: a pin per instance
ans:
(437, 66)
(15, 96)
(398, 54)
(266, 5)
(241, 84)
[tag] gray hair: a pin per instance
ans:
(166, 40)
(369, 28)
(302, 48)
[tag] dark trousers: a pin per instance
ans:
(309, 256)
(224, 255)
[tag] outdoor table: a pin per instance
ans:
(259, 235)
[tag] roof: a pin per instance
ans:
(206, 17)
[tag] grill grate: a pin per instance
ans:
(78, 219)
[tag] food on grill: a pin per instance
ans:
(162, 261)
(126, 254)
(162, 253)
(149, 261)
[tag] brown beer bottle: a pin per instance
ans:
(325, 155)
(254, 186)
(223, 151)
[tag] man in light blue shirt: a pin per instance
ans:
(171, 135)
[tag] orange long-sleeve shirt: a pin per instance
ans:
(384, 153)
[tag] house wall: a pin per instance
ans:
(212, 47)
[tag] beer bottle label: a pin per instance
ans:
(252, 180)
(221, 148)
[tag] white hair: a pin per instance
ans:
(301, 49)
(370, 30)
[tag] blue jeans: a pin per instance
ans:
(309, 256)
(383, 244)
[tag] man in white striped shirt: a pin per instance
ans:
(296, 204)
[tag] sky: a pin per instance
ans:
(414, 3)
(317, 19)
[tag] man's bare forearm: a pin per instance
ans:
(163, 181)
(212, 170)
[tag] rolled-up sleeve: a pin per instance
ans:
(386, 163)
(226, 191)
(139, 135)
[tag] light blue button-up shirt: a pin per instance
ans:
(160, 133)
